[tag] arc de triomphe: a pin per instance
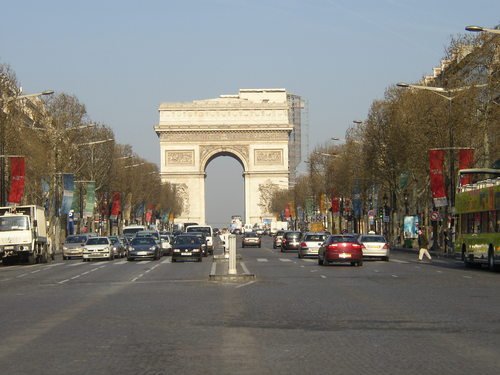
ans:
(253, 127)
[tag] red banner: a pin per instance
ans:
(116, 205)
(17, 173)
(335, 206)
(436, 162)
(465, 161)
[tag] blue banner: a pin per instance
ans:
(69, 188)
(356, 201)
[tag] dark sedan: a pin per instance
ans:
(143, 247)
(187, 247)
(290, 241)
(340, 248)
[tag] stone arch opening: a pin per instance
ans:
(253, 128)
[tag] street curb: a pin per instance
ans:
(432, 252)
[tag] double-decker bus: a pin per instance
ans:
(477, 206)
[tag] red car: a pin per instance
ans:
(340, 248)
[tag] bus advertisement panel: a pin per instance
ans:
(477, 206)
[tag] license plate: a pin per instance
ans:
(186, 254)
(344, 255)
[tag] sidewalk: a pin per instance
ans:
(220, 270)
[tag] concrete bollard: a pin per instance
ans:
(232, 254)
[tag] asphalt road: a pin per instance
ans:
(158, 317)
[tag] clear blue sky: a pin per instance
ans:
(123, 58)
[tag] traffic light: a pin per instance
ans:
(381, 212)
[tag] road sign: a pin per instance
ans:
(434, 215)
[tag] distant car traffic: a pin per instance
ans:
(187, 247)
(375, 245)
(143, 248)
(250, 239)
(339, 248)
(98, 248)
(310, 243)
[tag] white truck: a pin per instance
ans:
(23, 235)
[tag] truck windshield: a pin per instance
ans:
(13, 223)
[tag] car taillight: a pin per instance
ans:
(386, 246)
(333, 246)
(303, 244)
(357, 246)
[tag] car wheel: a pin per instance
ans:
(274, 246)
(174, 260)
(320, 261)
(130, 259)
(299, 255)
(385, 259)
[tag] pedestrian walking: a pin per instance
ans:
(423, 244)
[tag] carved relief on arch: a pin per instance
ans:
(239, 151)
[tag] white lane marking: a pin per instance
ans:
(214, 267)
(398, 261)
(22, 275)
(169, 260)
(395, 276)
(468, 277)
(77, 264)
(35, 271)
(245, 269)
(314, 270)
(55, 264)
(285, 260)
(246, 284)
(63, 281)
(262, 260)
(323, 276)
(121, 262)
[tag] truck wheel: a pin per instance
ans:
(32, 258)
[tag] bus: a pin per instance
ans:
(477, 207)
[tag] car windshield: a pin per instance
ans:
(315, 237)
(372, 239)
(76, 239)
(292, 235)
(143, 241)
(338, 239)
(251, 234)
(97, 241)
(186, 240)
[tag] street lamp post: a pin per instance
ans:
(4, 109)
(448, 95)
(482, 29)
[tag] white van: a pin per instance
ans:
(209, 234)
(130, 230)
(247, 228)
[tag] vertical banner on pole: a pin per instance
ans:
(465, 161)
(116, 205)
(127, 208)
(69, 188)
(89, 200)
(17, 168)
(436, 163)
